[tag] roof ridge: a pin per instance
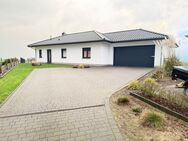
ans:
(102, 36)
(122, 31)
(79, 32)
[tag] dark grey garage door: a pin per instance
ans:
(137, 56)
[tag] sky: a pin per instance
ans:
(23, 22)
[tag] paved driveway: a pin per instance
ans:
(67, 88)
(65, 104)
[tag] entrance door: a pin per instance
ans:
(49, 56)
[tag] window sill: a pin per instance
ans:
(86, 58)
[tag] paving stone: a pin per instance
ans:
(61, 89)
(65, 88)
(80, 126)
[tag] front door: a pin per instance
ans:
(49, 56)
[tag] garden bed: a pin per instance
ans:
(131, 126)
(160, 96)
(164, 102)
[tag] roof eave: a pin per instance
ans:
(68, 43)
(138, 40)
(96, 41)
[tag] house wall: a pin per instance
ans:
(162, 53)
(102, 53)
(99, 53)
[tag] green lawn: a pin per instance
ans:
(13, 79)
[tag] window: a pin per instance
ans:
(86, 53)
(63, 53)
(40, 53)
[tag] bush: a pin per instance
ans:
(123, 100)
(149, 87)
(159, 74)
(134, 85)
(36, 64)
(81, 66)
(137, 110)
(170, 63)
(153, 120)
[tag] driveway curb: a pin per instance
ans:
(112, 122)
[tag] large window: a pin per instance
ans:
(40, 53)
(86, 53)
(64, 53)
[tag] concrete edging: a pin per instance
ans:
(160, 107)
(112, 122)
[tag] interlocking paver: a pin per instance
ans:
(60, 88)
(53, 132)
(55, 89)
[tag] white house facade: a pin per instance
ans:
(138, 48)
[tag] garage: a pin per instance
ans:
(134, 56)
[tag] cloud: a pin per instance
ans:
(24, 22)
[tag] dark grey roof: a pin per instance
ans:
(90, 36)
(94, 36)
(134, 35)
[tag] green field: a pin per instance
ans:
(13, 79)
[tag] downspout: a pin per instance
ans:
(35, 54)
(161, 54)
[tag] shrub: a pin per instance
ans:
(149, 81)
(149, 87)
(159, 74)
(154, 120)
(36, 64)
(123, 100)
(137, 110)
(134, 85)
(81, 66)
(170, 63)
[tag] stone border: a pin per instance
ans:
(112, 122)
(160, 107)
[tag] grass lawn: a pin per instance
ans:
(13, 79)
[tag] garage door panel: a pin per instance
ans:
(138, 56)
